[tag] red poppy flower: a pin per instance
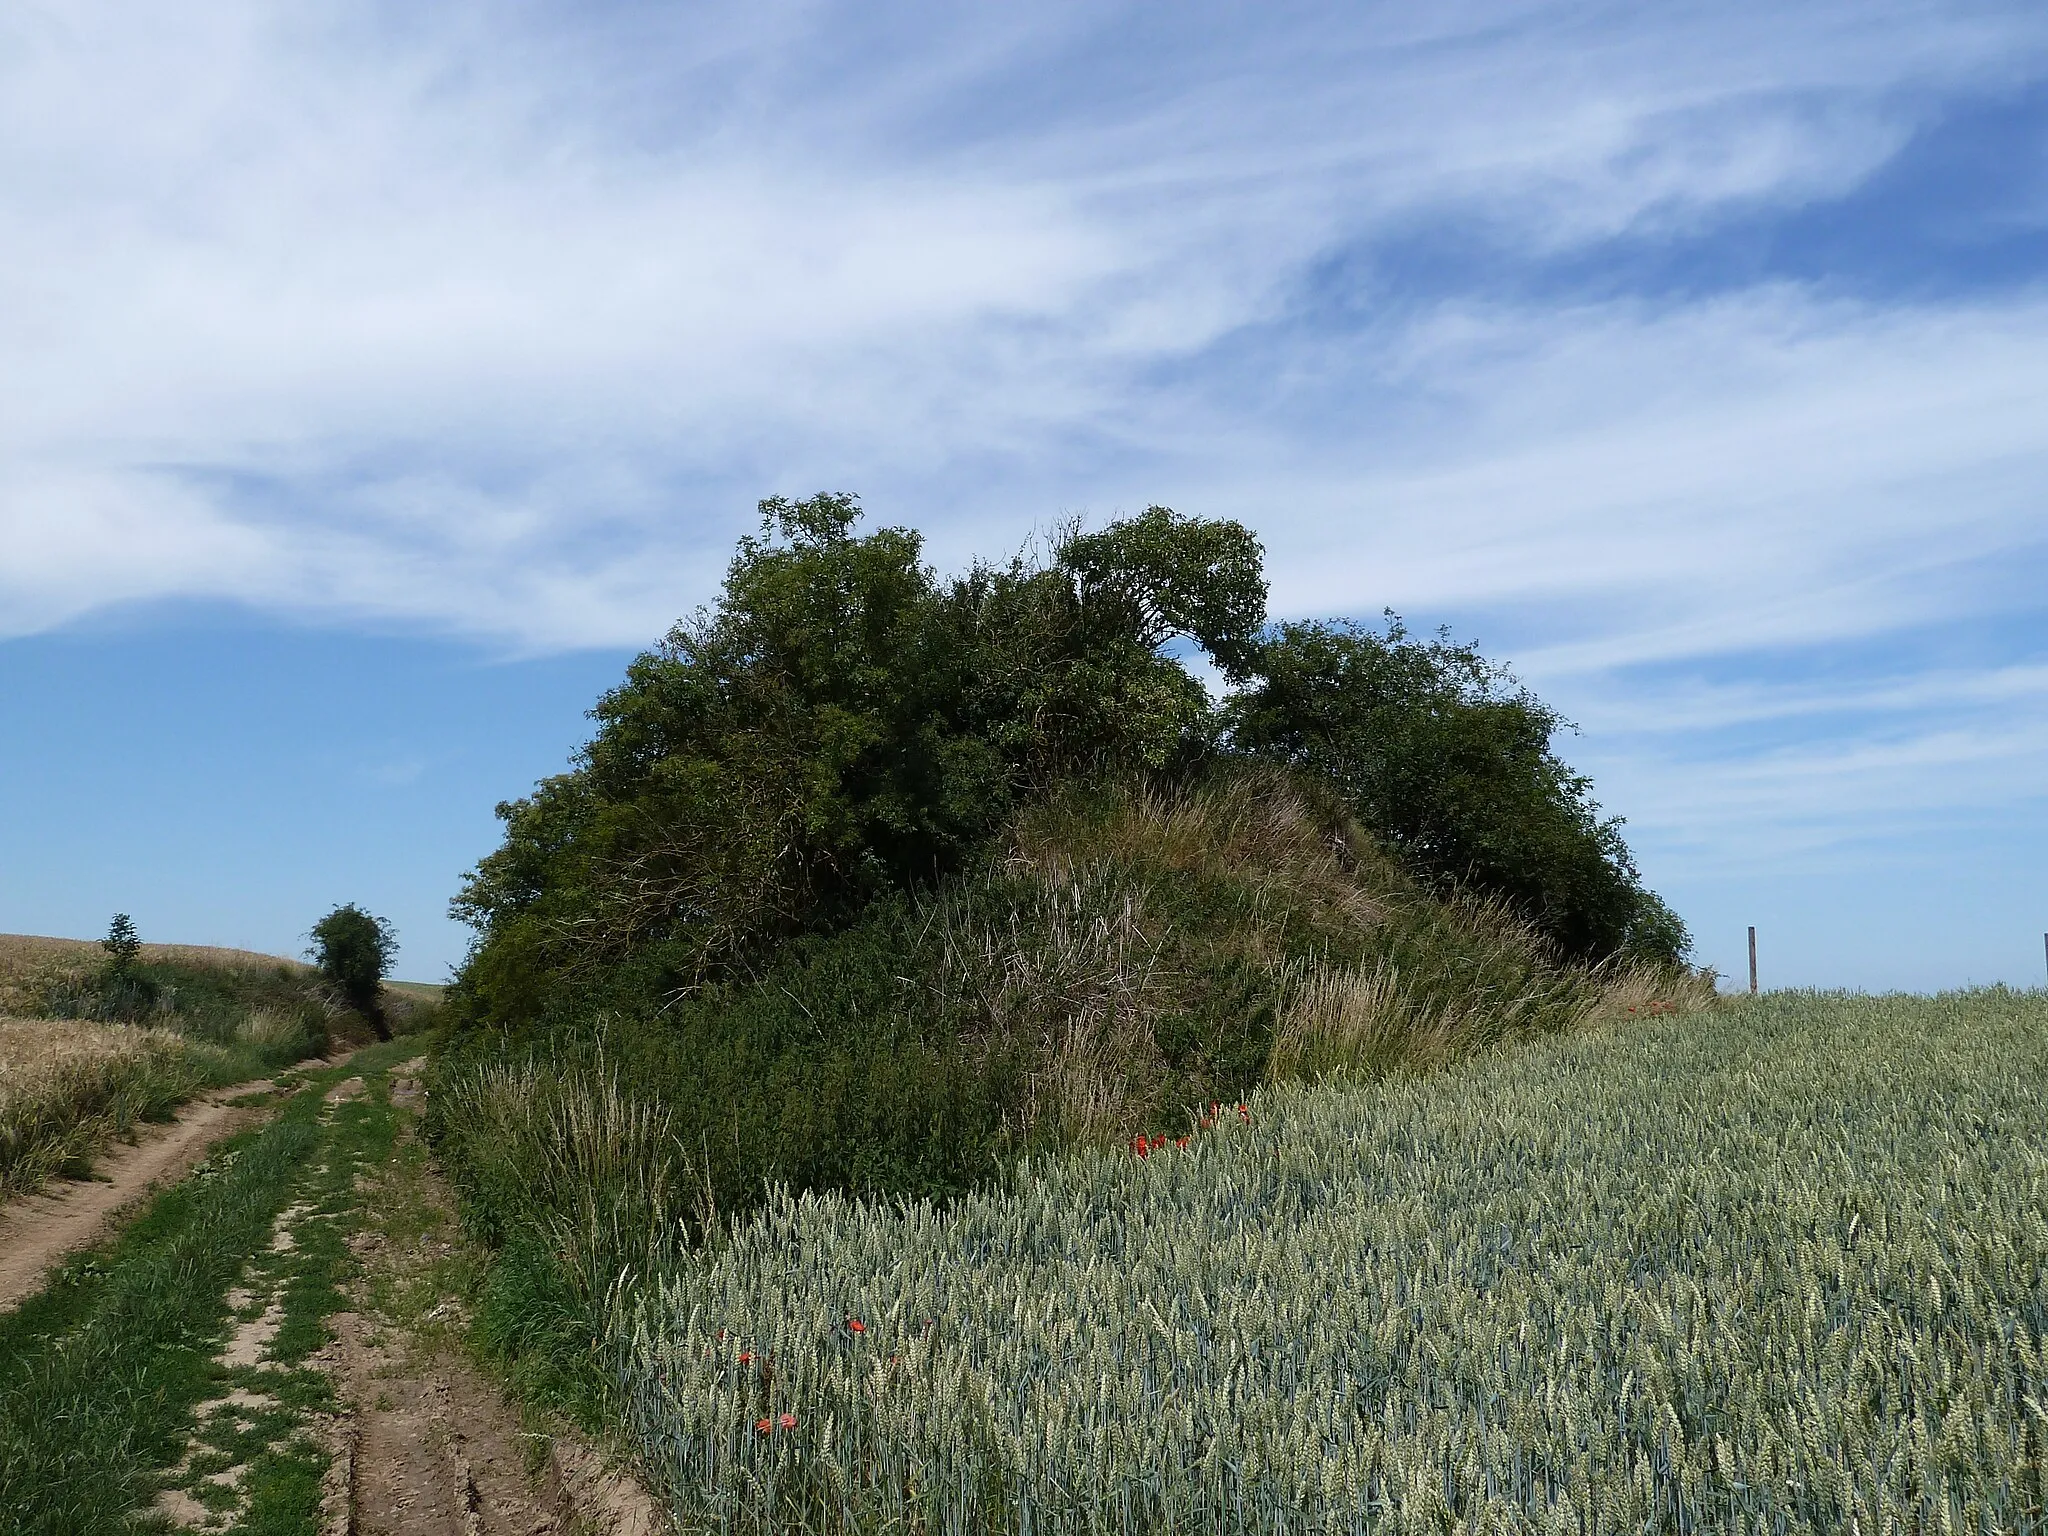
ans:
(762, 1426)
(1180, 1141)
(787, 1421)
(856, 1325)
(746, 1357)
(1207, 1123)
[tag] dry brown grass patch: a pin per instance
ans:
(30, 964)
(66, 1086)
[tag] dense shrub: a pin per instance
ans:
(352, 951)
(843, 725)
(1447, 759)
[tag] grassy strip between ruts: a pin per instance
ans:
(102, 1374)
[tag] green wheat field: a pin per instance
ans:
(1777, 1266)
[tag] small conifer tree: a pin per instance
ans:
(121, 944)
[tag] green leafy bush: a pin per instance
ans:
(1443, 755)
(844, 725)
(841, 726)
(352, 951)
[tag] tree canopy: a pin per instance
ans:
(353, 952)
(843, 723)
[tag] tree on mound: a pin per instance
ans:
(1445, 757)
(352, 951)
(122, 944)
(843, 724)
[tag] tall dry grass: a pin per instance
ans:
(67, 1087)
(1256, 825)
(1361, 1021)
(264, 1009)
(1061, 967)
(1370, 973)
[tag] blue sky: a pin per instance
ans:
(375, 379)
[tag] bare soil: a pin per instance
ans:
(426, 1445)
(430, 1448)
(37, 1231)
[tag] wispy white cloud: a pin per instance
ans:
(1769, 810)
(1752, 472)
(494, 320)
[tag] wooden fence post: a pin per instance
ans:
(1752, 957)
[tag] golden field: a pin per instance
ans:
(67, 1085)
(29, 963)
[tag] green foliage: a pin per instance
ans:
(844, 725)
(121, 943)
(1687, 1276)
(262, 1016)
(1440, 753)
(874, 882)
(841, 726)
(830, 1072)
(1159, 577)
(352, 951)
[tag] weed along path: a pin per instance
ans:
(270, 1346)
(38, 1230)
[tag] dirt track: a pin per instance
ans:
(429, 1448)
(425, 1445)
(37, 1231)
